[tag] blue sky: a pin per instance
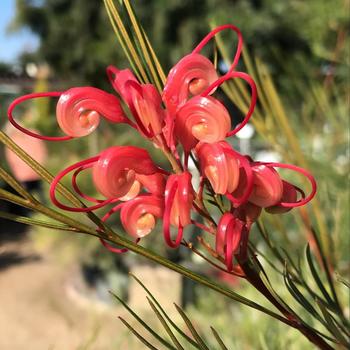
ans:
(12, 44)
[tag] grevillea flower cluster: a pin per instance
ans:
(184, 120)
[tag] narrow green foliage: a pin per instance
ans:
(165, 325)
(332, 326)
(138, 335)
(144, 324)
(342, 280)
(172, 323)
(191, 328)
(35, 222)
(316, 276)
(218, 339)
(298, 296)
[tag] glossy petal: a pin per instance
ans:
(189, 77)
(248, 212)
(139, 215)
(201, 119)
(289, 195)
(79, 110)
(146, 105)
(115, 172)
(268, 187)
(179, 196)
(154, 183)
(118, 79)
(218, 166)
(228, 237)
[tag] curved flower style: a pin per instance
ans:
(21, 99)
(79, 110)
(201, 119)
(179, 196)
(139, 215)
(218, 166)
(253, 100)
(115, 171)
(212, 34)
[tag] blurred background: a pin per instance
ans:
(54, 285)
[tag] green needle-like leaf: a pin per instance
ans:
(144, 324)
(173, 324)
(342, 280)
(218, 339)
(35, 222)
(316, 276)
(332, 326)
(193, 331)
(138, 335)
(165, 325)
(299, 297)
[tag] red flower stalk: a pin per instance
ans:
(179, 196)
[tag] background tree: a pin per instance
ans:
(78, 43)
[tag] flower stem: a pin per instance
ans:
(253, 277)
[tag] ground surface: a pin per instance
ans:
(47, 306)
